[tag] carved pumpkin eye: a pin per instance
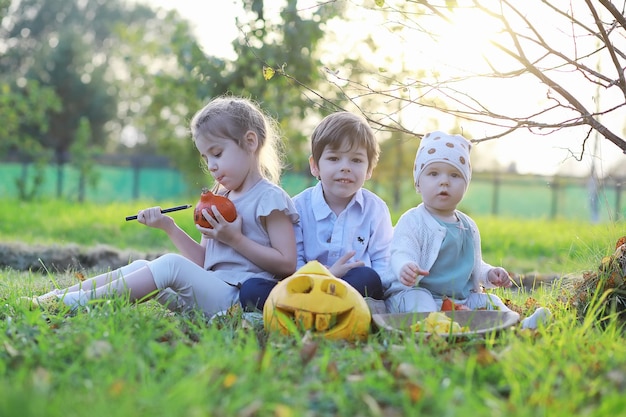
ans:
(331, 287)
(313, 299)
(301, 284)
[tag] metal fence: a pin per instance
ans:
(121, 178)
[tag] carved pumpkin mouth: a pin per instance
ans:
(309, 320)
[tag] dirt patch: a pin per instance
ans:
(62, 258)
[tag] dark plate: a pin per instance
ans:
(478, 321)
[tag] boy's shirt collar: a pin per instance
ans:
(322, 210)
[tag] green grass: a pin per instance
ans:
(119, 360)
(520, 245)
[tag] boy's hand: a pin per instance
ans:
(409, 273)
(499, 277)
(341, 267)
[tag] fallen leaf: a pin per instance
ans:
(98, 349)
(229, 380)
(372, 404)
(307, 352)
(485, 357)
(116, 388)
(282, 410)
(407, 370)
(415, 391)
(332, 370)
(10, 350)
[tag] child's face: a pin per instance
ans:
(342, 171)
(228, 163)
(442, 187)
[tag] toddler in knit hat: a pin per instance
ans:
(435, 251)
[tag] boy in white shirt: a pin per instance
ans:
(343, 226)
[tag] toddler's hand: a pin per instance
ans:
(499, 277)
(409, 273)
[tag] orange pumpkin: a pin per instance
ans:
(313, 299)
(207, 199)
(447, 304)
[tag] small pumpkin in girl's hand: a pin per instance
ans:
(207, 199)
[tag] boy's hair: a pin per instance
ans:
(339, 128)
(231, 117)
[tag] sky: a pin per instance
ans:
(215, 28)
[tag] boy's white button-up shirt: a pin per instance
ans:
(363, 226)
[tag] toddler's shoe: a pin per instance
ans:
(540, 317)
(49, 303)
(56, 301)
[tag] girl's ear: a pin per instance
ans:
(251, 141)
(315, 171)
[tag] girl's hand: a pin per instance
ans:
(341, 267)
(409, 273)
(223, 230)
(499, 277)
(153, 217)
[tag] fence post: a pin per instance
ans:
(554, 209)
(618, 198)
(136, 164)
(496, 194)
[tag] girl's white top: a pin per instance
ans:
(253, 207)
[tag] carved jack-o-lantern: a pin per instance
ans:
(313, 299)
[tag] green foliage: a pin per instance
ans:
(118, 360)
(82, 158)
(139, 75)
(86, 224)
(519, 245)
(29, 105)
(63, 46)
(288, 46)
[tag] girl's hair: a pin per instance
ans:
(344, 128)
(231, 117)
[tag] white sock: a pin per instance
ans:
(51, 293)
(75, 299)
(540, 317)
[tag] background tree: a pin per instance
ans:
(573, 69)
(20, 107)
(161, 98)
(65, 47)
(136, 75)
